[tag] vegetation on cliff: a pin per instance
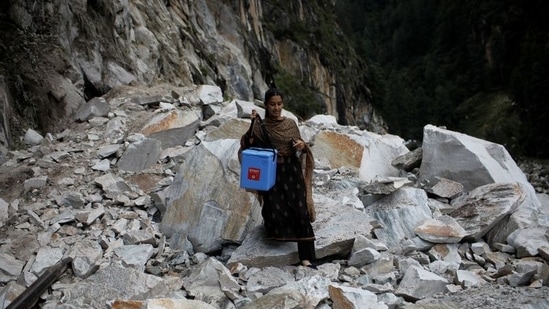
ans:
(314, 26)
(479, 67)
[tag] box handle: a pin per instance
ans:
(275, 152)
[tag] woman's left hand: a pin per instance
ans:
(298, 144)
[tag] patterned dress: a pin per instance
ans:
(284, 212)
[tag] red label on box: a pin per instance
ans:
(253, 173)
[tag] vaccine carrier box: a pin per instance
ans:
(258, 169)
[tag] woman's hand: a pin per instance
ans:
(254, 114)
(298, 144)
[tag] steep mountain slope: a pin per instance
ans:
(58, 54)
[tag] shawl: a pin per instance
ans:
(281, 133)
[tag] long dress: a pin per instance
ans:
(285, 212)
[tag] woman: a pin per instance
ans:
(287, 208)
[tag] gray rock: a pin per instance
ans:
(135, 256)
(363, 257)
(468, 279)
(86, 257)
(140, 155)
(305, 293)
(102, 165)
(59, 156)
(71, 199)
(399, 214)
(98, 215)
(173, 128)
(64, 217)
(418, 283)
(10, 292)
(409, 160)
(46, 257)
(439, 267)
(96, 107)
(88, 215)
(139, 237)
(384, 185)
(528, 241)
(10, 267)
(335, 230)
(480, 248)
(32, 137)
(498, 201)
(267, 279)
(147, 100)
(442, 229)
(116, 130)
(342, 296)
(109, 150)
(35, 183)
(164, 303)
(209, 220)
(443, 187)
(4, 211)
(544, 252)
(112, 185)
(521, 279)
(115, 282)
(416, 244)
(210, 281)
(448, 253)
(474, 163)
(209, 94)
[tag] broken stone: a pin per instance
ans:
(443, 187)
(409, 161)
(35, 183)
(363, 257)
(32, 137)
(418, 283)
(442, 229)
(135, 256)
(267, 279)
(342, 296)
(528, 241)
(86, 256)
(10, 267)
(96, 107)
(486, 206)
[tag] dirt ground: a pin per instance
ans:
(489, 296)
(12, 180)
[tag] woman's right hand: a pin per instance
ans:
(254, 114)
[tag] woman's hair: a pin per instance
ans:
(268, 95)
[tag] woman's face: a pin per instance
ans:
(274, 106)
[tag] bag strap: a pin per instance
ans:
(249, 133)
(267, 135)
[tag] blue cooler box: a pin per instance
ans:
(258, 169)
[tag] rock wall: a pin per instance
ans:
(63, 53)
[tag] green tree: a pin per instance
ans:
(479, 67)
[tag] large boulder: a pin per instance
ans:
(205, 201)
(474, 162)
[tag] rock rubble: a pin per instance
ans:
(142, 192)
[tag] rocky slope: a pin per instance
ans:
(92, 194)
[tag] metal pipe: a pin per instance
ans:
(30, 296)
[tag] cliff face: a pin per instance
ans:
(57, 54)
